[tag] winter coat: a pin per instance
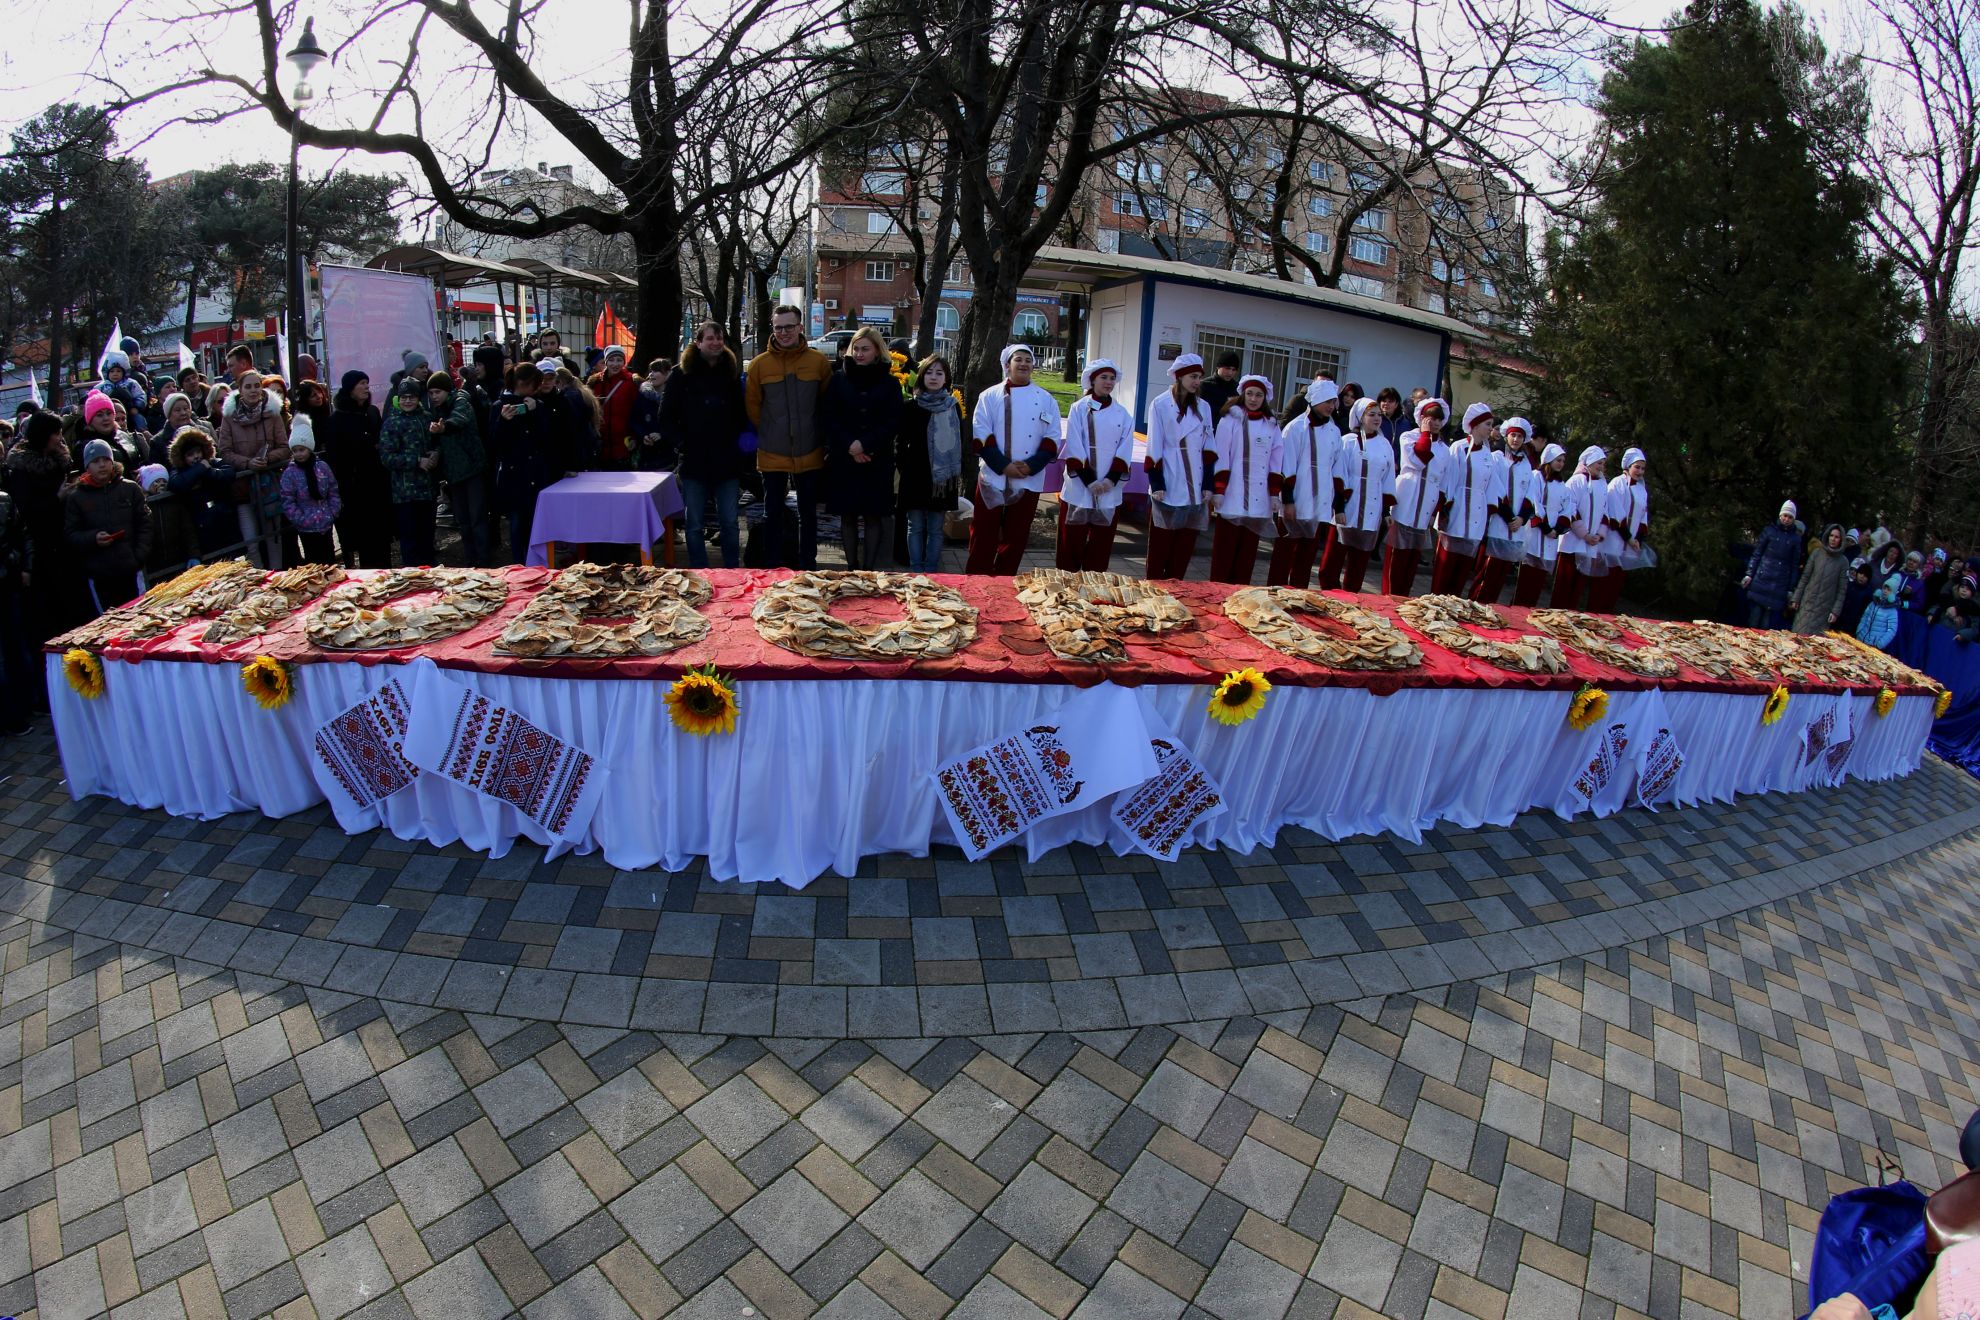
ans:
(461, 456)
(536, 446)
(1880, 617)
(350, 445)
(241, 442)
(35, 481)
(1824, 583)
(125, 447)
(645, 422)
(127, 392)
(917, 491)
(1217, 392)
(402, 442)
(175, 533)
(205, 490)
(862, 406)
(782, 396)
(1774, 566)
(702, 417)
(584, 433)
(317, 513)
(1855, 597)
(616, 396)
(117, 507)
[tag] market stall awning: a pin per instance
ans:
(549, 275)
(452, 269)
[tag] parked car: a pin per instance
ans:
(833, 343)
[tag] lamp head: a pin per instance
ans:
(304, 60)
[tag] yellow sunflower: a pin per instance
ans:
(1885, 700)
(1943, 704)
(1239, 696)
(1777, 702)
(1590, 704)
(269, 681)
(84, 672)
(702, 702)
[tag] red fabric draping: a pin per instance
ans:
(1009, 647)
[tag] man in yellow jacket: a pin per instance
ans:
(781, 396)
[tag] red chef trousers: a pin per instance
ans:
(1490, 579)
(1399, 571)
(1169, 552)
(1233, 553)
(1084, 547)
(1330, 558)
(1291, 564)
(1568, 583)
(1451, 573)
(1605, 591)
(997, 537)
(1532, 581)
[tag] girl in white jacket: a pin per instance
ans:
(1099, 446)
(1180, 446)
(1245, 492)
(1308, 491)
(1627, 514)
(1578, 558)
(1419, 490)
(1365, 482)
(1543, 516)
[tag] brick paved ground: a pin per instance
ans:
(1563, 1069)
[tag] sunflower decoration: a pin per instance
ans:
(84, 672)
(1777, 702)
(1885, 700)
(702, 702)
(269, 681)
(1943, 704)
(1239, 696)
(1590, 704)
(902, 369)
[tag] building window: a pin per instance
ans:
(1038, 195)
(1241, 190)
(1320, 206)
(1487, 287)
(1030, 324)
(1490, 220)
(948, 321)
(1196, 179)
(1319, 171)
(883, 183)
(1446, 207)
(1317, 241)
(1213, 344)
(1109, 239)
(1285, 362)
(879, 222)
(958, 273)
(1434, 302)
(1138, 171)
(879, 272)
(1315, 359)
(1443, 270)
(1364, 178)
(1275, 156)
(1371, 250)
(1194, 218)
(1374, 218)
(1363, 285)
(1154, 208)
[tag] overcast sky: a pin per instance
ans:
(51, 47)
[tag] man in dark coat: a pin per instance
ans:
(108, 525)
(1773, 570)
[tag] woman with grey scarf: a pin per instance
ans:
(928, 462)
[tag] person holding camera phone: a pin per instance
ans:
(105, 518)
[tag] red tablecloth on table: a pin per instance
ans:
(1009, 647)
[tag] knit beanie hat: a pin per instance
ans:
(97, 402)
(410, 389)
(98, 448)
(412, 359)
(149, 473)
(303, 432)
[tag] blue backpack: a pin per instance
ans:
(1871, 1242)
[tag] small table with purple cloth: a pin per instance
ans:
(624, 508)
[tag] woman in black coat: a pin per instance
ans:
(702, 420)
(932, 437)
(860, 412)
(38, 469)
(350, 447)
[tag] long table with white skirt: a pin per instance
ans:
(820, 773)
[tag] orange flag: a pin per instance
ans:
(610, 330)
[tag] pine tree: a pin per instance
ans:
(1716, 305)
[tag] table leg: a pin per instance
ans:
(667, 544)
(550, 555)
(646, 555)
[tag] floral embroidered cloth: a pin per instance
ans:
(459, 734)
(1091, 747)
(359, 758)
(1161, 815)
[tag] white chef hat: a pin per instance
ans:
(1320, 391)
(1592, 455)
(1011, 351)
(1550, 453)
(1633, 455)
(1259, 381)
(1431, 402)
(1476, 411)
(1355, 414)
(1519, 424)
(1093, 368)
(1187, 362)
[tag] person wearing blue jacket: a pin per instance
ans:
(1773, 570)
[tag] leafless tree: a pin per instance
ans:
(1922, 153)
(464, 82)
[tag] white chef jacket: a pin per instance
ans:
(1023, 423)
(1252, 453)
(1473, 480)
(1626, 503)
(1176, 445)
(1419, 484)
(1097, 437)
(1549, 502)
(1368, 469)
(1311, 453)
(1586, 498)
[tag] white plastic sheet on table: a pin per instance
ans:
(821, 773)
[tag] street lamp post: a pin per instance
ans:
(303, 62)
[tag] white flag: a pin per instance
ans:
(34, 389)
(186, 357)
(282, 357)
(110, 346)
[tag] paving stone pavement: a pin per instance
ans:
(192, 1124)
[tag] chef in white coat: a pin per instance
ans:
(1365, 486)
(1627, 514)
(1098, 450)
(1419, 490)
(1244, 493)
(1473, 478)
(1181, 449)
(1307, 492)
(1578, 559)
(1543, 512)
(1016, 430)
(1501, 551)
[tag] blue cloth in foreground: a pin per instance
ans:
(1930, 648)
(1871, 1242)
